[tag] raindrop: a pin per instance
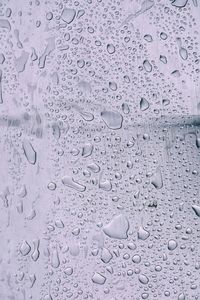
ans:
(25, 248)
(55, 261)
(29, 152)
(179, 3)
(196, 209)
(112, 119)
(117, 228)
(68, 15)
(5, 24)
(70, 182)
(157, 180)
(147, 66)
(98, 278)
(144, 104)
(148, 38)
(172, 245)
(143, 278)
(111, 48)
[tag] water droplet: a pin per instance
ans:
(147, 66)
(5, 24)
(21, 61)
(148, 38)
(143, 278)
(106, 255)
(1, 96)
(36, 253)
(93, 167)
(113, 85)
(183, 53)
(172, 245)
(25, 248)
(55, 261)
(51, 186)
(2, 58)
(47, 297)
(125, 108)
(157, 180)
(68, 15)
(176, 73)
(59, 224)
(163, 36)
(112, 119)
(49, 48)
(74, 249)
(87, 150)
(32, 278)
(144, 104)
(80, 13)
(105, 185)
(136, 259)
(87, 116)
(56, 131)
(117, 228)
(181, 296)
(179, 3)
(111, 48)
(163, 59)
(49, 16)
(70, 182)
(29, 152)
(98, 278)
(68, 271)
(143, 234)
(196, 209)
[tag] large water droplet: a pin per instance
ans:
(157, 180)
(55, 261)
(98, 278)
(93, 167)
(117, 228)
(106, 255)
(144, 104)
(143, 278)
(25, 248)
(172, 244)
(183, 53)
(112, 119)
(179, 3)
(5, 24)
(68, 15)
(196, 209)
(181, 296)
(70, 182)
(21, 61)
(111, 48)
(47, 297)
(87, 150)
(143, 234)
(125, 108)
(29, 152)
(147, 66)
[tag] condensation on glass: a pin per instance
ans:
(100, 150)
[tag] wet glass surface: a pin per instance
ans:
(100, 150)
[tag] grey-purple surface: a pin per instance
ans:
(100, 150)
